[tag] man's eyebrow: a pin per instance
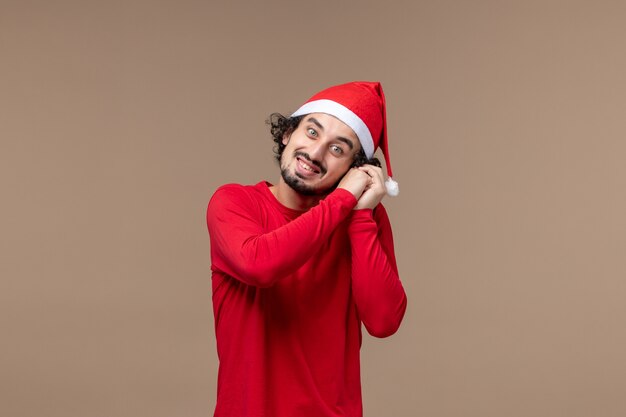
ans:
(314, 120)
(339, 138)
(346, 141)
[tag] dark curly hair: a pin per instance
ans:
(281, 125)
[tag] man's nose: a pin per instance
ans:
(317, 150)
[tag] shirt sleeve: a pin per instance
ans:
(378, 292)
(241, 248)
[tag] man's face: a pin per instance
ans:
(317, 154)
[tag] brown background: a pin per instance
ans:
(119, 119)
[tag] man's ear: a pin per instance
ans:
(286, 137)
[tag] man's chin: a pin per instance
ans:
(298, 185)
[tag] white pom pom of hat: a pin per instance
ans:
(361, 105)
(392, 187)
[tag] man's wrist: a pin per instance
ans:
(345, 195)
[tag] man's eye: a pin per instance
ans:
(336, 149)
(312, 131)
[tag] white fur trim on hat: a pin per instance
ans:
(345, 115)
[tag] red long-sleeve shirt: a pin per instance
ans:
(290, 290)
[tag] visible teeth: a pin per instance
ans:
(303, 165)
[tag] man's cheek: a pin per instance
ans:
(340, 178)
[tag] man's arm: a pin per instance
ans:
(378, 292)
(376, 286)
(241, 248)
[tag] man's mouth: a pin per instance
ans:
(306, 166)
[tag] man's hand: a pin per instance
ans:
(355, 181)
(375, 190)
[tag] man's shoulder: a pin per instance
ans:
(238, 194)
(234, 189)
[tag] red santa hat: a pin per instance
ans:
(360, 105)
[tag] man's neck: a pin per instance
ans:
(292, 199)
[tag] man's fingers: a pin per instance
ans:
(355, 181)
(375, 172)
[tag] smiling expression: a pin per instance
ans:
(317, 154)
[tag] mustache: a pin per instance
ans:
(304, 155)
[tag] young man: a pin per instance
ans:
(298, 266)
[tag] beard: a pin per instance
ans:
(296, 183)
(298, 186)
